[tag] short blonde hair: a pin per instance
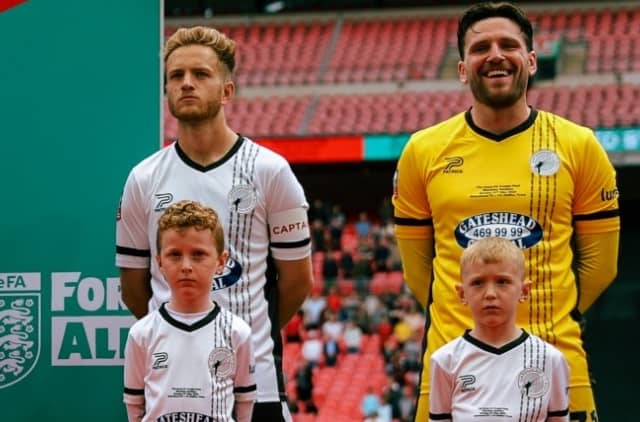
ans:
(224, 46)
(185, 214)
(492, 250)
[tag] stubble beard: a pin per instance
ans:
(195, 114)
(483, 94)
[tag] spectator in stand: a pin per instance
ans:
(318, 211)
(352, 337)
(413, 351)
(312, 348)
(294, 330)
(392, 394)
(407, 403)
(402, 331)
(313, 308)
(331, 352)
(384, 329)
(346, 264)
(386, 211)
(385, 412)
(304, 381)
(336, 226)
(334, 300)
(363, 225)
(329, 270)
(318, 236)
(381, 255)
(332, 329)
(370, 404)
(350, 304)
(394, 254)
(363, 270)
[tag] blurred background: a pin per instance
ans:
(337, 86)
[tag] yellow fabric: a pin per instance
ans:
(531, 185)
(417, 256)
(582, 405)
(597, 265)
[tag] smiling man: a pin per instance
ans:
(506, 169)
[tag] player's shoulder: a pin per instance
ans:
(439, 133)
(449, 351)
(154, 162)
(564, 126)
(240, 327)
(453, 122)
(550, 349)
(266, 156)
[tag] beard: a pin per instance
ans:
(483, 94)
(194, 113)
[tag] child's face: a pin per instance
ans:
(492, 292)
(189, 260)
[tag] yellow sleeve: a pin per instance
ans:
(417, 264)
(597, 265)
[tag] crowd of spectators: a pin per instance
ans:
(334, 320)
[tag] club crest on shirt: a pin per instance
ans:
(242, 199)
(222, 362)
(544, 162)
(533, 383)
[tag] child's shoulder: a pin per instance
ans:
(145, 324)
(238, 324)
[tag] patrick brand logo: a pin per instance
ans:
(20, 304)
(454, 164)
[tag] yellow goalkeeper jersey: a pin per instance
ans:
(535, 185)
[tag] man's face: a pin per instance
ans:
(496, 62)
(197, 85)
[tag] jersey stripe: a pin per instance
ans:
(145, 253)
(412, 221)
(285, 245)
(597, 216)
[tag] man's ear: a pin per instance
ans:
(229, 90)
(462, 72)
(533, 63)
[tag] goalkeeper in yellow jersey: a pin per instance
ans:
(506, 169)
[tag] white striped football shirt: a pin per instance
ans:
(264, 213)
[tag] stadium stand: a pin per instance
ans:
(378, 51)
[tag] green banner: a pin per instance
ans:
(389, 147)
(619, 140)
(80, 105)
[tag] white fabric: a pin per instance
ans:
(524, 380)
(185, 371)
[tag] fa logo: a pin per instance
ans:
(19, 326)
